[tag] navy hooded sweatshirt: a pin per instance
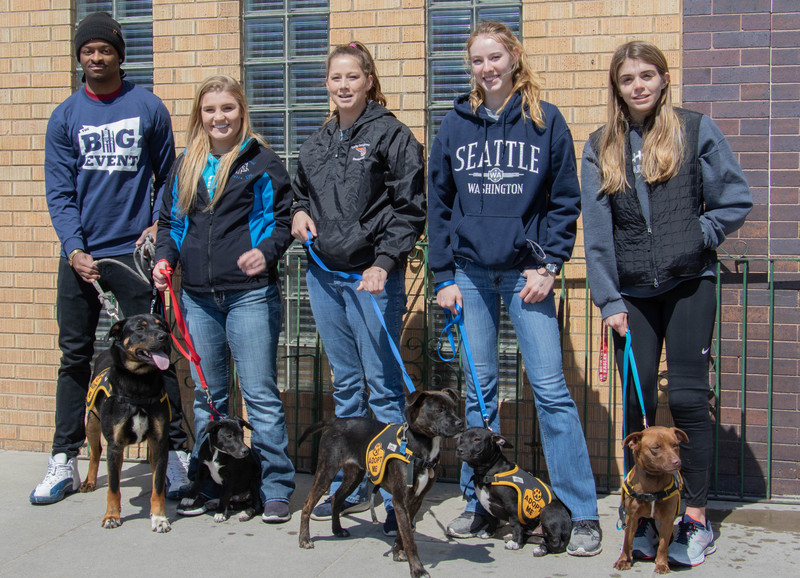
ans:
(501, 193)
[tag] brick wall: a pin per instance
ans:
(742, 68)
(570, 42)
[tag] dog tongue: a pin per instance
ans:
(161, 360)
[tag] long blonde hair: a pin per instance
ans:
(663, 143)
(367, 65)
(198, 145)
(525, 79)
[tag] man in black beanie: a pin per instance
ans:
(108, 148)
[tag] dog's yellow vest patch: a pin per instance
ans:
(99, 383)
(384, 447)
(532, 493)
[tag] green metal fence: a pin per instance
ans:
(755, 296)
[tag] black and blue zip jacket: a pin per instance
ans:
(502, 193)
(252, 212)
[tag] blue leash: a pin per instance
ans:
(357, 277)
(448, 328)
(629, 361)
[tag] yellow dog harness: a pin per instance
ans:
(532, 493)
(390, 444)
(101, 382)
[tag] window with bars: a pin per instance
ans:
(449, 25)
(285, 47)
(136, 19)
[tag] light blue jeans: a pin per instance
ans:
(365, 373)
(245, 324)
(537, 332)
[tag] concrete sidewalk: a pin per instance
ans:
(66, 539)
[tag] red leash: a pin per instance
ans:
(191, 355)
(603, 361)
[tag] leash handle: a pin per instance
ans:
(356, 277)
(191, 354)
(602, 364)
(458, 320)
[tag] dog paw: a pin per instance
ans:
(512, 545)
(159, 524)
(220, 517)
(342, 533)
(399, 556)
(662, 569)
(87, 487)
(622, 564)
(306, 544)
(111, 522)
(246, 515)
(539, 550)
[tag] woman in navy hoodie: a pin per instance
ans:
(503, 199)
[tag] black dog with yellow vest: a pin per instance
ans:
(128, 403)
(512, 495)
(402, 461)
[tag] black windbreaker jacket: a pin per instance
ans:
(365, 194)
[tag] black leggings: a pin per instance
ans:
(683, 320)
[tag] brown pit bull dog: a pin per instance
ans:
(652, 489)
(402, 460)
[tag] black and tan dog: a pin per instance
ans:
(652, 489)
(127, 402)
(346, 443)
(513, 495)
(225, 458)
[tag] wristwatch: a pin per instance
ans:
(553, 268)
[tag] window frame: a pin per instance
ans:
(139, 71)
(290, 9)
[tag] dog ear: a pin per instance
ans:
(681, 435)
(453, 394)
(210, 426)
(116, 329)
(243, 422)
(501, 441)
(632, 441)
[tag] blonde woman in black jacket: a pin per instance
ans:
(359, 192)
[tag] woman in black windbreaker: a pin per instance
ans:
(225, 218)
(359, 192)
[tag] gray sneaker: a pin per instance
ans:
(468, 525)
(585, 538)
(323, 510)
(276, 512)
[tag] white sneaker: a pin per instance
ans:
(177, 474)
(62, 478)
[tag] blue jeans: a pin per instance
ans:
(245, 324)
(537, 332)
(365, 373)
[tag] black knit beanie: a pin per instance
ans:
(100, 26)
